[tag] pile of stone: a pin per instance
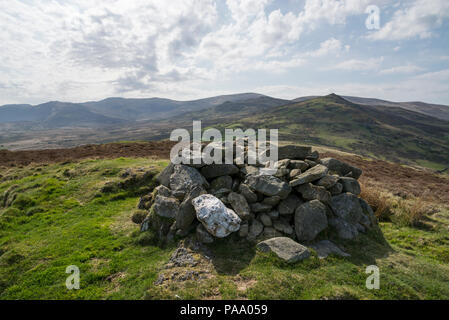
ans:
(308, 199)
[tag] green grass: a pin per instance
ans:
(60, 218)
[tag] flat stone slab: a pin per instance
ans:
(285, 248)
(325, 248)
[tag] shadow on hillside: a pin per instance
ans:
(366, 249)
(229, 257)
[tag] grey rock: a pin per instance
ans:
(298, 164)
(347, 207)
(244, 230)
(350, 185)
(240, 205)
(269, 232)
(163, 191)
(314, 156)
(249, 170)
(285, 248)
(268, 185)
(289, 205)
(255, 229)
(249, 195)
(310, 175)
(311, 192)
(235, 185)
(202, 235)
(369, 213)
(166, 207)
(260, 207)
(184, 178)
(186, 214)
(215, 217)
(164, 177)
(341, 168)
(221, 193)
(282, 172)
(283, 164)
(217, 170)
(311, 163)
(283, 226)
(328, 181)
(223, 182)
(273, 214)
(343, 229)
(310, 220)
(325, 248)
(295, 173)
(293, 152)
(272, 201)
(336, 189)
(266, 220)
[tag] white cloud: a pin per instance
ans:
(331, 45)
(418, 19)
(79, 50)
(358, 65)
(406, 69)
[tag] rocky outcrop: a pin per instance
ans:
(306, 199)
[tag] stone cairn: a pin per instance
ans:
(308, 200)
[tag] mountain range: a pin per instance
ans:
(408, 132)
(111, 111)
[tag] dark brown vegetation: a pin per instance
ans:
(158, 149)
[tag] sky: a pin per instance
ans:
(86, 50)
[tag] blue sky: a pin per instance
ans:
(185, 49)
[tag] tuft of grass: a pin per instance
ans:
(379, 200)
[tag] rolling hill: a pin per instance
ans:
(434, 110)
(109, 111)
(387, 132)
(383, 132)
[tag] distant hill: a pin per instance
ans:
(390, 132)
(109, 111)
(434, 110)
(378, 128)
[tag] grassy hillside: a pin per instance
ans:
(60, 218)
(381, 132)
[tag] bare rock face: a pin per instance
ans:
(352, 215)
(240, 205)
(255, 229)
(186, 214)
(285, 248)
(328, 181)
(218, 170)
(341, 168)
(310, 220)
(303, 198)
(315, 173)
(350, 185)
(166, 207)
(202, 235)
(310, 191)
(215, 217)
(164, 177)
(223, 182)
(246, 191)
(268, 185)
(184, 178)
(289, 205)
